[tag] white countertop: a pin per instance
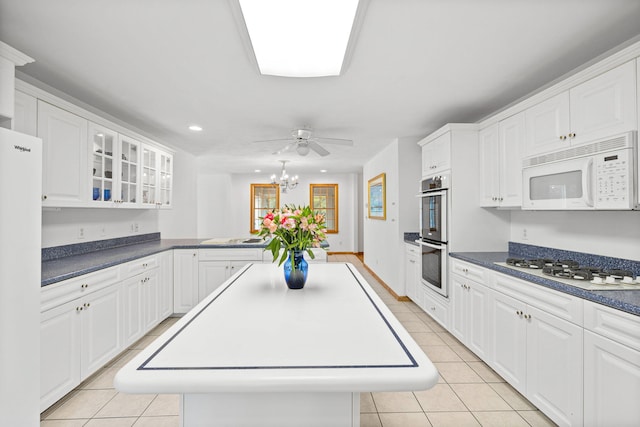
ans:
(254, 334)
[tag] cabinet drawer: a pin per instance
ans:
(434, 308)
(611, 323)
(245, 254)
(562, 305)
(138, 266)
(412, 249)
(67, 290)
(468, 270)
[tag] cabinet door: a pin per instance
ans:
(132, 319)
(509, 340)
(25, 118)
(102, 158)
(548, 125)
(411, 272)
(129, 167)
(611, 382)
(479, 319)
(489, 166)
(512, 140)
(165, 295)
(59, 352)
(166, 180)
(101, 329)
(604, 105)
(554, 367)
(150, 176)
(64, 156)
(459, 317)
(235, 266)
(150, 297)
(211, 275)
(185, 279)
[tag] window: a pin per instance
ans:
(324, 199)
(264, 198)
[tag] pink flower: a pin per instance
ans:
(272, 227)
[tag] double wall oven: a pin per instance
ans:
(433, 232)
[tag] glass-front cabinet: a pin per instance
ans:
(129, 160)
(157, 170)
(102, 146)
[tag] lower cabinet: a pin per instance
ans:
(211, 274)
(434, 305)
(611, 367)
(470, 314)
(412, 272)
(165, 288)
(141, 305)
(540, 355)
(76, 339)
(185, 280)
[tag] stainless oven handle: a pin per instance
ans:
(433, 193)
(431, 245)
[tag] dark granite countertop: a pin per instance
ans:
(628, 301)
(56, 269)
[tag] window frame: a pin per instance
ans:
(335, 200)
(252, 207)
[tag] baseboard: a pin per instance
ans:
(403, 298)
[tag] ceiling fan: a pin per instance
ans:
(303, 141)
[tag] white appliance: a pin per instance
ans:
(596, 176)
(20, 249)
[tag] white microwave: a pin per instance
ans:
(597, 176)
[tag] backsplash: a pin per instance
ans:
(585, 259)
(87, 247)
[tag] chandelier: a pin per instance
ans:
(286, 182)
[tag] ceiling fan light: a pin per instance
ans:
(322, 30)
(302, 149)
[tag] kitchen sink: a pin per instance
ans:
(233, 241)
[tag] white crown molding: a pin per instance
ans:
(449, 127)
(615, 57)
(83, 110)
(14, 55)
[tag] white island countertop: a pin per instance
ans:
(253, 334)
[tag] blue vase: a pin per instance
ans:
(295, 270)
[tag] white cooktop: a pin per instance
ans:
(583, 284)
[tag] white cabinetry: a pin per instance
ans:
(80, 330)
(436, 155)
(128, 158)
(501, 163)
(64, 156)
(185, 279)
(538, 353)
(602, 106)
(103, 157)
(25, 119)
(157, 171)
(412, 272)
(165, 292)
(470, 311)
(435, 305)
(611, 367)
(217, 265)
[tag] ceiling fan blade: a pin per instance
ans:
(339, 141)
(286, 148)
(274, 140)
(317, 148)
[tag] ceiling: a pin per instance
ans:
(417, 64)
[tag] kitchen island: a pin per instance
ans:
(314, 350)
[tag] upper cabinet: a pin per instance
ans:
(64, 156)
(500, 148)
(87, 164)
(436, 155)
(604, 105)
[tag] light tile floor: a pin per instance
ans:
(468, 393)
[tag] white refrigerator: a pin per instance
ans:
(20, 262)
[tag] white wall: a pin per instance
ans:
(614, 234)
(384, 239)
(224, 204)
(62, 227)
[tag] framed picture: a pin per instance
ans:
(377, 197)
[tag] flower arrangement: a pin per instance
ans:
(292, 228)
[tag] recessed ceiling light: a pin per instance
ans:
(294, 38)
(323, 170)
(195, 128)
(257, 170)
